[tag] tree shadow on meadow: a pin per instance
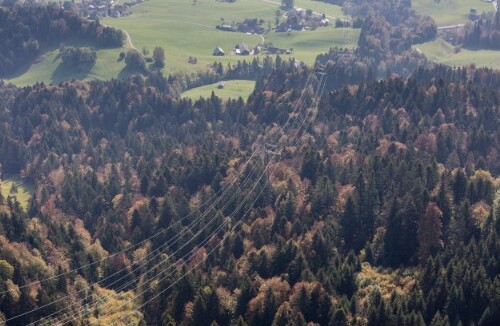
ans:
(128, 72)
(65, 71)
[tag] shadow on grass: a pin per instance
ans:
(127, 72)
(25, 67)
(60, 73)
(65, 72)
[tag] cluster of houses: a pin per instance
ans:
(298, 19)
(247, 26)
(102, 8)
(239, 49)
(244, 49)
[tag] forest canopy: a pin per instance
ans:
(373, 215)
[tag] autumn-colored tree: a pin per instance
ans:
(430, 232)
(284, 315)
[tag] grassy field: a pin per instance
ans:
(480, 58)
(442, 52)
(187, 28)
(321, 7)
(232, 89)
(307, 45)
(22, 191)
(450, 12)
(48, 69)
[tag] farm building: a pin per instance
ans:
(242, 49)
(226, 28)
(218, 51)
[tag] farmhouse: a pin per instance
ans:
(102, 11)
(275, 50)
(218, 51)
(242, 49)
(226, 28)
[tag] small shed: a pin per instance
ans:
(218, 51)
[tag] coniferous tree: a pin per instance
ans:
(349, 223)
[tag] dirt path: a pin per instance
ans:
(129, 40)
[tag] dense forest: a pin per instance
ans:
(482, 33)
(150, 209)
(26, 30)
(388, 30)
(377, 203)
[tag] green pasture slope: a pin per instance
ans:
(450, 12)
(22, 191)
(48, 68)
(186, 28)
(232, 89)
(442, 52)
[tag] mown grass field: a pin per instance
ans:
(22, 192)
(232, 89)
(450, 12)
(442, 52)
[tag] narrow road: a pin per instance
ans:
(127, 35)
(129, 40)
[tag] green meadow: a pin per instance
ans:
(187, 29)
(450, 12)
(14, 186)
(321, 7)
(442, 52)
(232, 89)
(308, 44)
(49, 69)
